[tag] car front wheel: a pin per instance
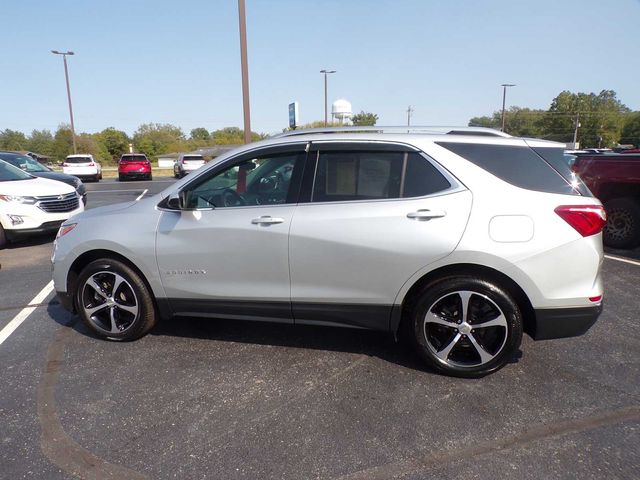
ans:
(114, 301)
(466, 326)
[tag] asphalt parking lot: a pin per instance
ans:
(219, 399)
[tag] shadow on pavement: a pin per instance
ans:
(364, 342)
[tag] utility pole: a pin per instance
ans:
(245, 71)
(326, 72)
(504, 99)
(66, 76)
(409, 112)
(575, 130)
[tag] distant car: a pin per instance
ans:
(82, 166)
(134, 165)
(31, 205)
(28, 164)
(187, 162)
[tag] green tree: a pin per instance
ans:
(13, 140)
(154, 139)
(41, 141)
(62, 143)
(200, 134)
(115, 142)
(487, 122)
(601, 118)
(631, 130)
(233, 136)
(90, 143)
(364, 118)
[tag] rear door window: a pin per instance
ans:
(517, 165)
(374, 175)
(557, 159)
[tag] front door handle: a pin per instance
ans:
(426, 214)
(267, 220)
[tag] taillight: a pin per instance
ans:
(585, 219)
(92, 164)
(65, 164)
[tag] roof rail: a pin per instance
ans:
(435, 130)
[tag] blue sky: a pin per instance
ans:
(178, 62)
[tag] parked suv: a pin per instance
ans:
(187, 162)
(35, 168)
(134, 165)
(461, 240)
(31, 205)
(82, 166)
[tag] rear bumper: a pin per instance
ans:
(564, 322)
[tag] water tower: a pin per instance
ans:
(341, 109)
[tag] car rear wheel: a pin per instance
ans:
(465, 326)
(121, 177)
(113, 301)
(623, 223)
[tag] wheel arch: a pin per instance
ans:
(401, 313)
(89, 256)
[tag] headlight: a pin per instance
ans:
(18, 199)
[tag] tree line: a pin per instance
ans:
(602, 120)
(108, 145)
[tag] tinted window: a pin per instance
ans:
(520, 166)
(371, 175)
(422, 178)
(77, 160)
(134, 158)
(192, 157)
(264, 180)
(561, 164)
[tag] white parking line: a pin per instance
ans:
(142, 195)
(624, 260)
(25, 312)
(113, 191)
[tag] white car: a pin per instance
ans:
(186, 163)
(461, 239)
(31, 205)
(82, 166)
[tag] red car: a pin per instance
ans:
(134, 165)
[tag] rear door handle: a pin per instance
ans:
(267, 220)
(426, 214)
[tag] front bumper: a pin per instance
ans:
(66, 300)
(564, 322)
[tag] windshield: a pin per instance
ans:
(193, 158)
(26, 163)
(10, 173)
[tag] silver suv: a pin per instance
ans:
(463, 239)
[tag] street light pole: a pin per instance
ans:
(245, 71)
(66, 76)
(326, 72)
(504, 98)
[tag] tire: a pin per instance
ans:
(96, 178)
(150, 178)
(121, 177)
(134, 313)
(3, 238)
(456, 344)
(623, 223)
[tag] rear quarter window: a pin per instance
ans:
(518, 165)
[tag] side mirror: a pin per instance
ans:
(174, 202)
